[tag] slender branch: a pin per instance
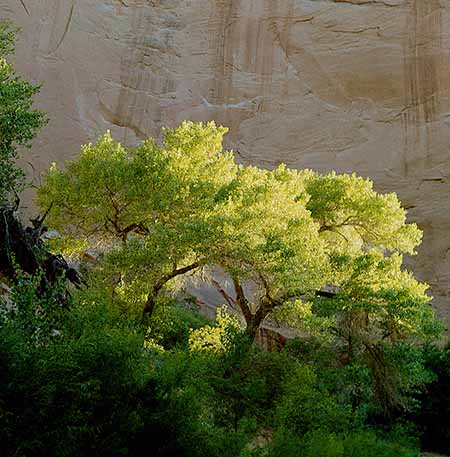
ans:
(138, 228)
(176, 272)
(242, 300)
(333, 227)
(229, 299)
(156, 289)
(265, 285)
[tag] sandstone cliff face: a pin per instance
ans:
(350, 85)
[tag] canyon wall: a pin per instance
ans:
(349, 85)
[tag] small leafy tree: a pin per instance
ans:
(152, 208)
(19, 123)
(378, 304)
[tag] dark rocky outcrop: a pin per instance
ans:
(22, 249)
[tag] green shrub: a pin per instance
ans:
(313, 444)
(367, 444)
(320, 444)
(83, 392)
(188, 408)
(217, 403)
(306, 406)
(285, 444)
(433, 416)
(171, 324)
(351, 444)
(350, 383)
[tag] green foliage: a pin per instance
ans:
(171, 325)
(394, 374)
(217, 403)
(33, 308)
(324, 444)
(378, 310)
(433, 416)
(19, 123)
(158, 202)
(306, 406)
(217, 338)
(351, 385)
(369, 445)
(375, 286)
(187, 406)
(408, 372)
(352, 215)
(248, 384)
(79, 393)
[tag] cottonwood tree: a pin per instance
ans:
(379, 304)
(279, 236)
(152, 208)
(271, 249)
(367, 235)
(377, 318)
(19, 122)
(289, 233)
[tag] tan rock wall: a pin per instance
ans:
(350, 85)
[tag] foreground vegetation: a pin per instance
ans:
(127, 366)
(93, 381)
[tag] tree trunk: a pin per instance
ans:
(149, 305)
(252, 330)
(253, 321)
(153, 295)
(350, 349)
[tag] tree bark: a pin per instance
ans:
(252, 329)
(150, 304)
(253, 321)
(153, 295)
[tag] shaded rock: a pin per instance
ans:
(22, 250)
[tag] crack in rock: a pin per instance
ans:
(368, 2)
(66, 29)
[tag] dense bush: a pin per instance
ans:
(351, 384)
(87, 383)
(77, 392)
(325, 444)
(433, 416)
(171, 325)
(219, 402)
(306, 407)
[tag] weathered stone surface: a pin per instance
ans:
(350, 85)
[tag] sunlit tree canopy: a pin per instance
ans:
(162, 211)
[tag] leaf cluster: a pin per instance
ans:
(19, 122)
